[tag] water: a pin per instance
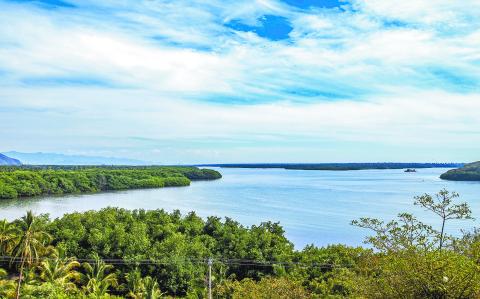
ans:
(313, 206)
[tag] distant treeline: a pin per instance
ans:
(339, 166)
(26, 181)
(469, 172)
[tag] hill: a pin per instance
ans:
(62, 159)
(469, 172)
(4, 160)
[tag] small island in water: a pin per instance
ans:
(27, 181)
(469, 172)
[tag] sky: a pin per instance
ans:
(181, 82)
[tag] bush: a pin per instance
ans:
(267, 288)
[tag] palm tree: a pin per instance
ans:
(8, 237)
(152, 291)
(60, 271)
(33, 241)
(97, 280)
(134, 284)
(142, 288)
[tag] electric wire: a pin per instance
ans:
(177, 260)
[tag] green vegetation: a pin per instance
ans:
(469, 172)
(28, 181)
(116, 253)
(338, 166)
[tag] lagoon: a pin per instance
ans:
(312, 206)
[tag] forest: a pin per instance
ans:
(27, 181)
(117, 253)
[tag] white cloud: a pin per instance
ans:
(433, 12)
(343, 77)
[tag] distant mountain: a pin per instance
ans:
(61, 159)
(4, 160)
(469, 172)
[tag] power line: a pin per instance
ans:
(176, 260)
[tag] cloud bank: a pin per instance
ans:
(242, 81)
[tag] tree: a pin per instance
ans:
(404, 233)
(142, 288)
(151, 288)
(8, 237)
(442, 206)
(97, 278)
(267, 288)
(411, 263)
(134, 284)
(420, 274)
(33, 241)
(60, 271)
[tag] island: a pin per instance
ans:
(28, 181)
(469, 172)
(337, 166)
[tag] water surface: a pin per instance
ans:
(313, 206)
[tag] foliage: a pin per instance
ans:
(98, 277)
(329, 271)
(150, 254)
(33, 181)
(33, 241)
(422, 274)
(179, 244)
(60, 272)
(442, 206)
(413, 261)
(7, 287)
(8, 237)
(469, 172)
(267, 288)
(404, 233)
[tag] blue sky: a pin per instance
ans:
(242, 81)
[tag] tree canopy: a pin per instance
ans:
(118, 253)
(26, 181)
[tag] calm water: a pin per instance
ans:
(313, 206)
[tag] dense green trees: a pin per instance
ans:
(151, 251)
(33, 181)
(267, 288)
(149, 254)
(469, 172)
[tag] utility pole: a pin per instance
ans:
(210, 261)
